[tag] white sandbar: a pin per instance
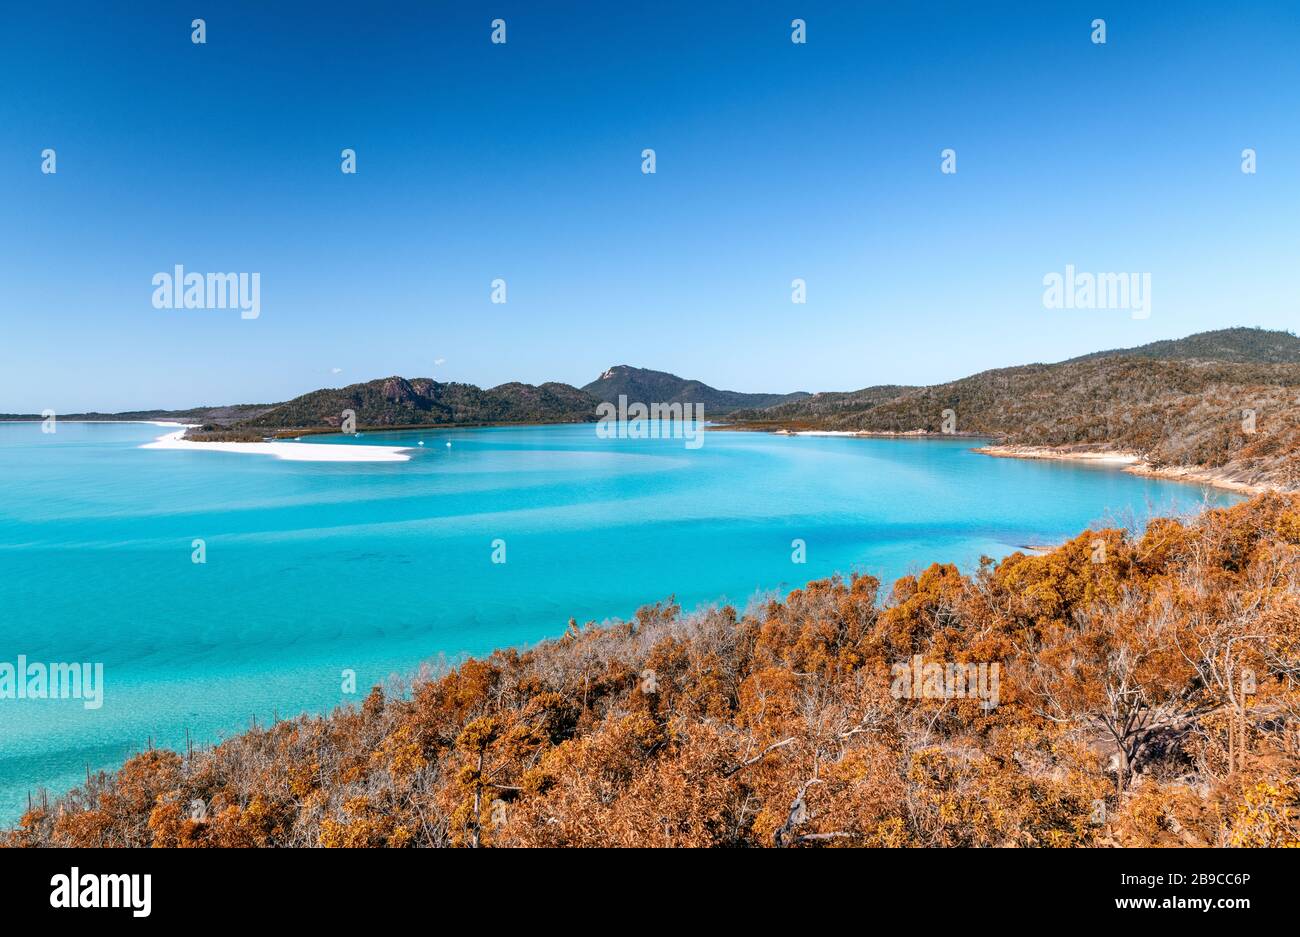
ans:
(289, 451)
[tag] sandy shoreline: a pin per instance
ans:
(1132, 462)
(288, 451)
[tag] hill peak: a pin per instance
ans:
(648, 386)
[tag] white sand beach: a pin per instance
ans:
(289, 451)
(1062, 455)
(1135, 464)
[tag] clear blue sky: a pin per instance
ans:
(522, 161)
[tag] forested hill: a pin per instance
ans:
(646, 386)
(396, 401)
(1166, 401)
(1240, 345)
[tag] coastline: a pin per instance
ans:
(288, 451)
(1133, 462)
(1129, 461)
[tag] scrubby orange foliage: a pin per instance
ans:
(1148, 696)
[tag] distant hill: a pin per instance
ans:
(1118, 401)
(1239, 345)
(226, 414)
(817, 407)
(1168, 401)
(396, 401)
(1232, 346)
(645, 386)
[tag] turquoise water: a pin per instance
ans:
(314, 568)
